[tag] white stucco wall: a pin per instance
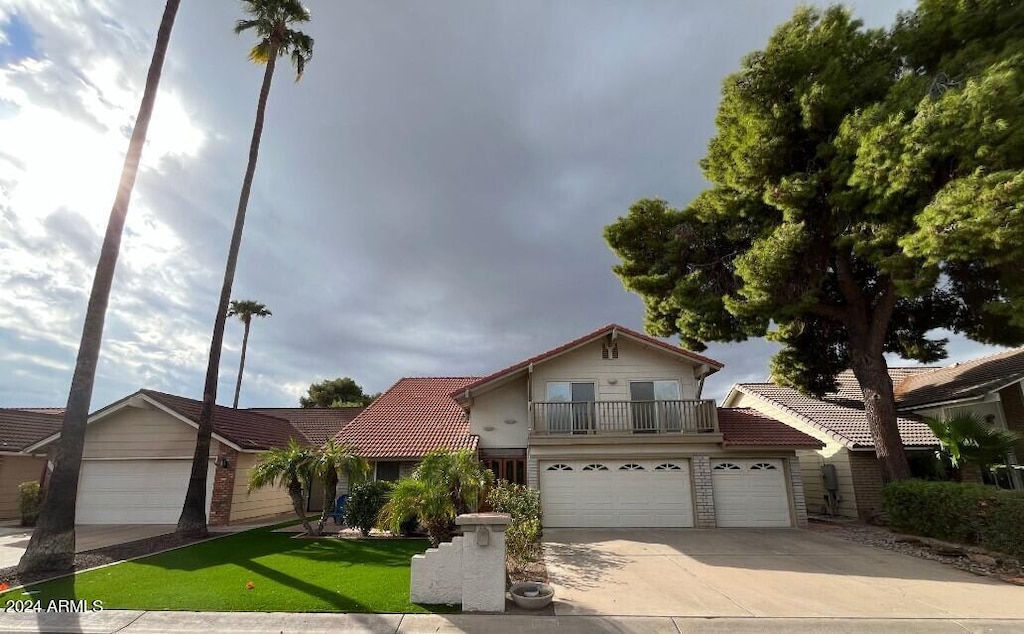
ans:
(436, 575)
(636, 362)
(492, 409)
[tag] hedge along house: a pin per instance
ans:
(609, 427)
(19, 430)
(989, 387)
(138, 459)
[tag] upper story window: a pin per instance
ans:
(655, 406)
(571, 406)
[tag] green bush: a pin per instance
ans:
(365, 500)
(522, 538)
(965, 513)
(29, 499)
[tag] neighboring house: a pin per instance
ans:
(318, 425)
(610, 428)
(20, 429)
(990, 387)
(138, 459)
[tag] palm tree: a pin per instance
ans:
(291, 466)
(445, 484)
(964, 439)
(245, 310)
(331, 460)
(52, 546)
(271, 19)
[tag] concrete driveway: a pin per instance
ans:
(751, 572)
(14, 540)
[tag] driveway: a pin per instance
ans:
(14, 540)
(752, 572)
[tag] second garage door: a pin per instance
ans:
(750, 493)
(616, 493)
(135, 491)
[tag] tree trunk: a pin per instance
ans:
(241, 362)
(192, 522)
(52, 546)
(298, 503)
(330, 496)
(880, 408)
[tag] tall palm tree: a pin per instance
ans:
(271, 20)
(330, 461)
(292, 467)
(245, 310)
(52, 546)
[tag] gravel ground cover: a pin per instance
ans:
(970, 558)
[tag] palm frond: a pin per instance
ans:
(245, 25)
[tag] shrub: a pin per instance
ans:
(29, 499)
(966, 513)
(365, 500)
(522, 538)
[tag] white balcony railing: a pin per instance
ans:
(625, 417)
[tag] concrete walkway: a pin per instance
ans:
(776, 573)
(111, 621)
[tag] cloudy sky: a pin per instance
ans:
(429, 200)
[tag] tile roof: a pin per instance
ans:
(847, 425)
(414, 416)
(317, 424)
(715, 365)
(960, 381)
(749, 427)
(849, 393)
(247, 429)
(21, 428)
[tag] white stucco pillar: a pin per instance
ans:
(483, 561)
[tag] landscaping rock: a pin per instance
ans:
(984, 560)
(985, 563)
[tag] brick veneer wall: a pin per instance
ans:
(797, 485)
(1013, 406)
(867, 484)
(703, 492)
(223, 487)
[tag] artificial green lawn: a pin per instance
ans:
(288, 575)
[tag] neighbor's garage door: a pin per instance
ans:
(750, 493)
(135, 491)
(612, 493)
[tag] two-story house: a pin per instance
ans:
(610, 427)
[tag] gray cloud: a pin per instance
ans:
(430, 198)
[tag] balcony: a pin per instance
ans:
(624, 417)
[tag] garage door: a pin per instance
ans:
(135, 491)
(613, 493)
(750, 493)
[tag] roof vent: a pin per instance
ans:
(610, 351)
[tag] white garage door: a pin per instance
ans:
(750, 493)
(135, 491)
(612, 493)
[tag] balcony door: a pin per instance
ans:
(655, 406)
(571, 408)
